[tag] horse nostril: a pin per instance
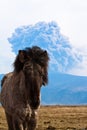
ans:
(35, 104)
(37, 101)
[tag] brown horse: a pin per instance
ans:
(20, 94)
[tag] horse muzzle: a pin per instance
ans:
(35, 104)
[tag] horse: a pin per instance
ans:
(20, 93)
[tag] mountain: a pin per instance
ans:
(1, 76)
(64, 89)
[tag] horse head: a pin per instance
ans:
(33, 62)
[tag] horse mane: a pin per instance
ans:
(18, 65)
(37, 55)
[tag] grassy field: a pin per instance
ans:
(56, 118)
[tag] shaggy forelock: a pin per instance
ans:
(37, 55)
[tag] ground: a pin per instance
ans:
(56, 118)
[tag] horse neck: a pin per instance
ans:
(20, 78)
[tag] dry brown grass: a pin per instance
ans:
(57, 118)
(3, 123)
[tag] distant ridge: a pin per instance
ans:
(1, 76)
(64, 89)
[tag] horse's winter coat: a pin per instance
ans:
(20, 94)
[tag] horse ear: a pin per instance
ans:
(45, 53)
(21, 56)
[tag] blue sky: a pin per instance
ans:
(71, 16)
